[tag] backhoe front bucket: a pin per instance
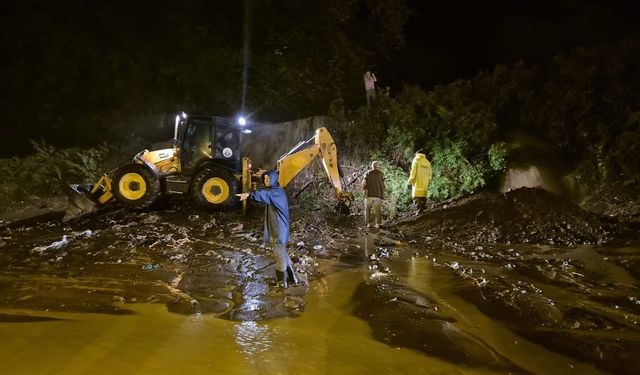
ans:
(83, 199)
(78, 201)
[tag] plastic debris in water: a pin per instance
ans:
(237, 228)
(150, 267)
(64, 242)
(86, 233)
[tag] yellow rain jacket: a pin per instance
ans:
(420, 176)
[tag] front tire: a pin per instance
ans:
(214, 189)
(135, 186)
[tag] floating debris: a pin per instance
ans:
(150, 267)
(58, 245)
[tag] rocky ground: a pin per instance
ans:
(553, 273)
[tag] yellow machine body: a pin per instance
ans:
(320, 145)
(166, 160)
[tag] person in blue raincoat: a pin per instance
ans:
(276, 224)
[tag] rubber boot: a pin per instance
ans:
(291, 276)
(281, 279)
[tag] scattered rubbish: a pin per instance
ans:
(119, 227)
(64, 242)
(86, 233)
(247, 236)
(318, 247)
(210, 224)
(151, 219)
(377, 275)
(177, 257)
(237, 228)
(150, 266)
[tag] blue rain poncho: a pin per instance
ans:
(276, 214)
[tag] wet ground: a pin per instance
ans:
(487, 284)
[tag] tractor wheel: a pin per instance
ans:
(214, 189)
(135, 186)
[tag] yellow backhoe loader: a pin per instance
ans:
(205, 164)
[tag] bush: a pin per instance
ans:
(497, 155)
(453, 173)
(584, 102)
(42, 174)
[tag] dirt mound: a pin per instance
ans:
(526, 215)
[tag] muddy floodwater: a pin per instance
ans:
(451, 291)
(326, 338)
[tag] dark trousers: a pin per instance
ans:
(421, 202)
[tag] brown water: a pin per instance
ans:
(325, 339)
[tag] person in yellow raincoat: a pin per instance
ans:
(419, 179)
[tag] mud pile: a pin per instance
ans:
(194, 262)
(526, 215)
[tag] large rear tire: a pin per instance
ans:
(135, 186)
(214, 189)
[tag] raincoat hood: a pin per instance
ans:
(420, 156)
(273, 178)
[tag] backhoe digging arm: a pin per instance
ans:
(304, 153)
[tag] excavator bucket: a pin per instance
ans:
(345, 199)
(83, 199)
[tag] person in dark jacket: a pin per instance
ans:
(374, 187)
(276, 224)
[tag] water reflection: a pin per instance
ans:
(417, 272)
(253, 338)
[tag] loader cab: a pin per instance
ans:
(208, 139)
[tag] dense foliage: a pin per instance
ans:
(585, 104)
(43, 174)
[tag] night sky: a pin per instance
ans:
(449, 40)
(445, 41)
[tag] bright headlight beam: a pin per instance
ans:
(242, 121)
